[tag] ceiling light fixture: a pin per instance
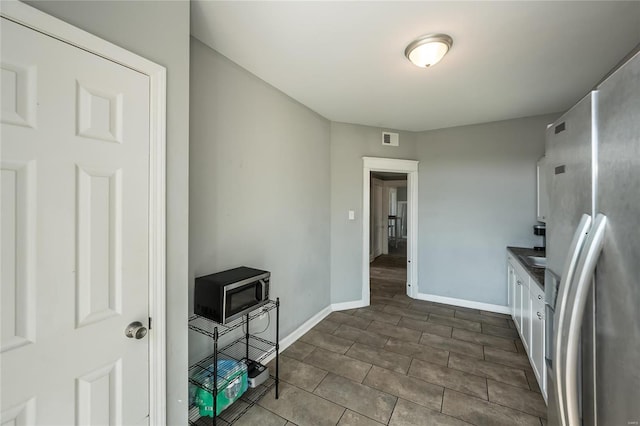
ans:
(428, 50)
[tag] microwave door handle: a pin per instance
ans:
(577, 243)
(223, 309)
(573, 324)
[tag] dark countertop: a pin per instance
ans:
(536, 273)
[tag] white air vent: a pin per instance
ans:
(390, 139)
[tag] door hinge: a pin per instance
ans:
(149, 323)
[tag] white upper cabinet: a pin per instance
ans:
(541, 190)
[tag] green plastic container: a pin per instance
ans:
(232, 383)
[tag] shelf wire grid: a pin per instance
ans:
(206, 326)
(259, 348)
(235, 410)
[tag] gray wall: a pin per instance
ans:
(259, 187)
(477, 196)
(349, 143)
(158, 31)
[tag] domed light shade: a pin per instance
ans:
(428, 50)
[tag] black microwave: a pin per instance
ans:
(227, 295)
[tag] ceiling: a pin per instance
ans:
(345, 60)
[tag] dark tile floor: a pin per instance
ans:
(404, 362)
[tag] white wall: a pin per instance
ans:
(349, 143)
(158, 31)
(477, 196)
(259, 187)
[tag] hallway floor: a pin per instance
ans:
(404, 362)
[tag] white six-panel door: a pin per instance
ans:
(75, 167)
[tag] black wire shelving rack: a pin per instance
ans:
(249, 347)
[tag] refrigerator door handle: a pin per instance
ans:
(577, 242)
(573, 324)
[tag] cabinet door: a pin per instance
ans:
(525, 332)
(537, 342)
(518, 302)
(511, 289)
(542, 194)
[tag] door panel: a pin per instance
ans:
(75, 166)
(96, 396)
(99, 234)
(617, 285)
(18, 257)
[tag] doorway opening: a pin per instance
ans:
(388, 235)
(389, 249)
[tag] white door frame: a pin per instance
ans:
(53, 27)
(410, 167)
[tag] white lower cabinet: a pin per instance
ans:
(525, 330)
(526, 302)
(519, 282)
(537, 337)
(517, 317)
(511, 288)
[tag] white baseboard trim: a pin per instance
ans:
(306, 326)
(300, 331)
(311, 322)
(343, 306)
(464, 303)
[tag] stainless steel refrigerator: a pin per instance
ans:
(592, 282)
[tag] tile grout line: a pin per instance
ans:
(486, 384)
(395, 404)
(495, 403)
(335, 403)
(347, 408)
(515, 409)
(342, 415)
(444, 386)
(322, 380)
(491, 378)
(457, 314)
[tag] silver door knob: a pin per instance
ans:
(135, 330)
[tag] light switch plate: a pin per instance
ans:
(352, 215)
